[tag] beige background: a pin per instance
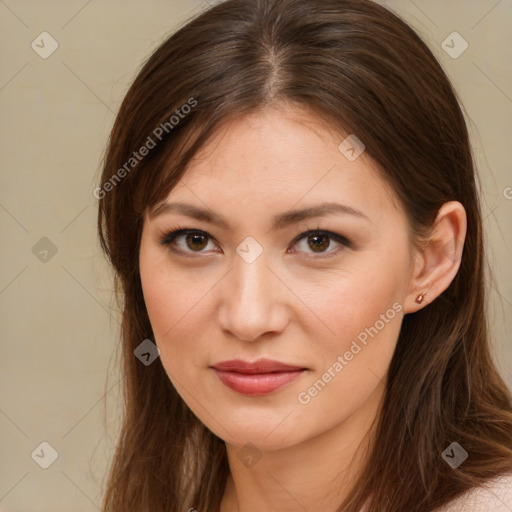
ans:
(59, 327)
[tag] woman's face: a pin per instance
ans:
(243, 287)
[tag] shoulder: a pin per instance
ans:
(494, 496)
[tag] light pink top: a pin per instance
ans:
(495, 496)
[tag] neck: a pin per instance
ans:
(316, 474)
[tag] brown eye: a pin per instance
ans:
(195, 241)
(186, 240)
(318, 242)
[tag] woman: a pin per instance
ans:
(289, 202)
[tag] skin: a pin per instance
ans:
(286, 305)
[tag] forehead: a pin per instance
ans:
(276, 159)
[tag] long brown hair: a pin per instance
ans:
(365, 71)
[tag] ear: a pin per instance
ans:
(438, 261)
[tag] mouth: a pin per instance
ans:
(258, 378)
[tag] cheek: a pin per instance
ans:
(347, 306)
(174, 314)
(169, 294)
(177, 304)
(361, 343)
(160, 303)
(358, 316)
(353, 359)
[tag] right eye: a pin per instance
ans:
(192, 240)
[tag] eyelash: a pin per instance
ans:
(171, 235)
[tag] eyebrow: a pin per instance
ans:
(280, 221)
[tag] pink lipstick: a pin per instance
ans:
(258, 378)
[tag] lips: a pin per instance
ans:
(258, 378)
(260, 366)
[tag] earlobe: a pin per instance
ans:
(440, 257)
(420, 297)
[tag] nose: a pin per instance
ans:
(253, 300)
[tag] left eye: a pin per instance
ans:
(319, 241)
(195, 240)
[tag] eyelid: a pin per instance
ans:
(171, 234)
(344, 242)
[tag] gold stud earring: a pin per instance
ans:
(420, 297)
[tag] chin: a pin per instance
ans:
(262, 437)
